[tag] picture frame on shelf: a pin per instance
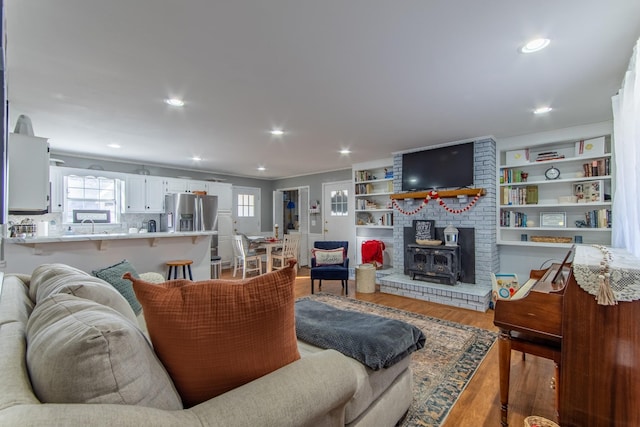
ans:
(553, 219)
(589, 191)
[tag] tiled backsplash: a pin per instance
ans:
(56, 227)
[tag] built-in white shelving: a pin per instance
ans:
(560, 193)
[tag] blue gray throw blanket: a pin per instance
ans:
(377, 342)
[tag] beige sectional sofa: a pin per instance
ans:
(322, 388)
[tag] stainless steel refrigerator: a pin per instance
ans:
(189, 212)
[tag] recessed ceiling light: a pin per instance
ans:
(262, 168)
(174, 102)
(196, 158)
(535, 45)
(345, 151)
(113, 145)
(277, 132)
(542, 110)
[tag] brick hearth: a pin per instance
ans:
(471, 296)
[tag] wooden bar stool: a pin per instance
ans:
(184, 263)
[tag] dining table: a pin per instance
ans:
(269, 245)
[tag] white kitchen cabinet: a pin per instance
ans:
(56, 180)
(154, 194)
(197, 186)
(143, 194)
(176, 185)
(183, 185)
(28, 164)
(224, 193)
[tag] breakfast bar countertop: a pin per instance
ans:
(105, 236)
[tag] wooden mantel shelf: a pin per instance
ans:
(443, 194)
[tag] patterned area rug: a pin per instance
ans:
(442, 369)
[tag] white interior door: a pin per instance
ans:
(246, 210)
(337, 214)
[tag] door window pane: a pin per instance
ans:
(246, 205)
(339, 203)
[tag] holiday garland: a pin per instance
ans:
(434, 195)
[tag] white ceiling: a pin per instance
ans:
(376, 76)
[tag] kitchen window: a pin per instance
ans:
(91, 193)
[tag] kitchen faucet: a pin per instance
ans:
(93, 224)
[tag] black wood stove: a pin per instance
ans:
(441, 263)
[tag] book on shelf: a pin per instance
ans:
(598, 218)
(519, 195)
(549, 155)
(386, 219)
(363, 176)
(513, 219)
(532, 195)
(599, 167)
(508, 176)
(364, 188)
(366, 175)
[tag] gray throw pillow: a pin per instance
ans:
(113, 275)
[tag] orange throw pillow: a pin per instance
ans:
(215, 335)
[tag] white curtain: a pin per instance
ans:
(626, 131)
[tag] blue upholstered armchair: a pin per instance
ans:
(331, 271)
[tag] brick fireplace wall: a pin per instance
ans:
(481, 217)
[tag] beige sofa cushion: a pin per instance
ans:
(371, 384)
(79, 351)
(49, 279)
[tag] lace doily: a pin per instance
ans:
(623, 269)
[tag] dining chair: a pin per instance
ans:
(290, 245)
(243, 259)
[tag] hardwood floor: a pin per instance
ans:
(479, 404)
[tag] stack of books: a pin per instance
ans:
(600, 167)
(519, 195)
(598, 218)
(549, 155)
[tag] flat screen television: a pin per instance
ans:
(439, 168)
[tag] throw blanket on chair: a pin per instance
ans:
(373, 252)
(375, 341)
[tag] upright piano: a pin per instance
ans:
(596, 348)
(531, 322)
